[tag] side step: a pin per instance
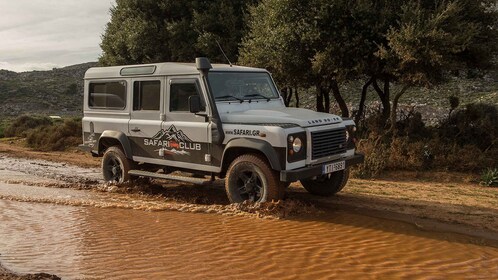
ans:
(195, 181)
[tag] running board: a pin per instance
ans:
(195, 181)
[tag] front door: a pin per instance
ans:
(186, 134)
(146, 117)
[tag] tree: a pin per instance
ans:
(303, 43)
(434, 38)
(149, 31)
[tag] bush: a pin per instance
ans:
(376, 157)
(55, 137)
(489, 178)
(476, 125)
(466, 141)
(21, 125)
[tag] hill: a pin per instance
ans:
(58, 91)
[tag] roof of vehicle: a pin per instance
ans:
(160, 69)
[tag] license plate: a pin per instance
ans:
(333, 167)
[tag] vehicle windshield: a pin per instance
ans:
(242, 86)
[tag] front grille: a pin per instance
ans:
(327, 143)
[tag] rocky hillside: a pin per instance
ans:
(59, 91)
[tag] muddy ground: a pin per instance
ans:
(451, 198)
(433, 201)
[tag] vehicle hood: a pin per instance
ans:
(301, 117)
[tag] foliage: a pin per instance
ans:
(56, 136)
(20, 126)
(465, 142)
(59, 91)
(476, 124)
(44, 134)
(434, 38)
(489, 177)
(150, 31)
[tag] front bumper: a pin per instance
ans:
(316, 170)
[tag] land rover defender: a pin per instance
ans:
(212, 120)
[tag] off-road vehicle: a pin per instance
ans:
(212, 120)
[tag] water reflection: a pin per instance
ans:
(94, 243)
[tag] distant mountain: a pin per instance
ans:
(58, 91)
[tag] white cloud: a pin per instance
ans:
(42, 34)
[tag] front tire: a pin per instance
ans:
(251, 178)
(327, 185)
(115, 166)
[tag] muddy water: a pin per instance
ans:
(95, 243)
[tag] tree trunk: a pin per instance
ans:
(284, 95)
(340, 101)
(361, 108)
(326, 99)
(395, 108)
(297, 99)
(289, 97)
(319, 99)
(384, 98)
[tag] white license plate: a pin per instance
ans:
(333, 167)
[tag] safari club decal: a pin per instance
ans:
(172, 142)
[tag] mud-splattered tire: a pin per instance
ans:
(327, 185)
(115, 166)
(250, 177)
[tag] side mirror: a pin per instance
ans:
(194, 104)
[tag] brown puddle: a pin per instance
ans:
(95, 243)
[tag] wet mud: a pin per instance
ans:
(63, 220)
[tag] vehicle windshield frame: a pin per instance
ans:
(216, 91)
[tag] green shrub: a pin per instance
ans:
(476, 125)
(21, 125)
(55, 137)
(489, 177)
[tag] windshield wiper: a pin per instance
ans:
(229, 96)
(258, 95)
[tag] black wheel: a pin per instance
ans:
(115, 166)
(251, 178)
(327, 185)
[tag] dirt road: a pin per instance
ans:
(420, 198)
(356, 228)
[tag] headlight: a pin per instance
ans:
(297, 144)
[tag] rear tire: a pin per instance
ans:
(251, 178)
(327, 185)
(115, 166)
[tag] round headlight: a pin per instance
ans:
(297, 144)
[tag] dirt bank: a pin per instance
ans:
(16, 148)
(7, 275)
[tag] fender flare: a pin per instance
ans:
(255, 144)
(120, 137)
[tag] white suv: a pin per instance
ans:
(219, 120)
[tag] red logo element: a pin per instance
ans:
(173, 144)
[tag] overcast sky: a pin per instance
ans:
(43, 34)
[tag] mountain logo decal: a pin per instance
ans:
(172, 134)
(172, 141)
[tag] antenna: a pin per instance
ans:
(224, 54)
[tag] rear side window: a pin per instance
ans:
(107, 95)
(146, 95)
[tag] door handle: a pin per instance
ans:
(136, 129)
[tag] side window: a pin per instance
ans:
(179, 94)
(108, 95)
(146, 95)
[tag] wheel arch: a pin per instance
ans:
(241, 146)
(111, 138)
